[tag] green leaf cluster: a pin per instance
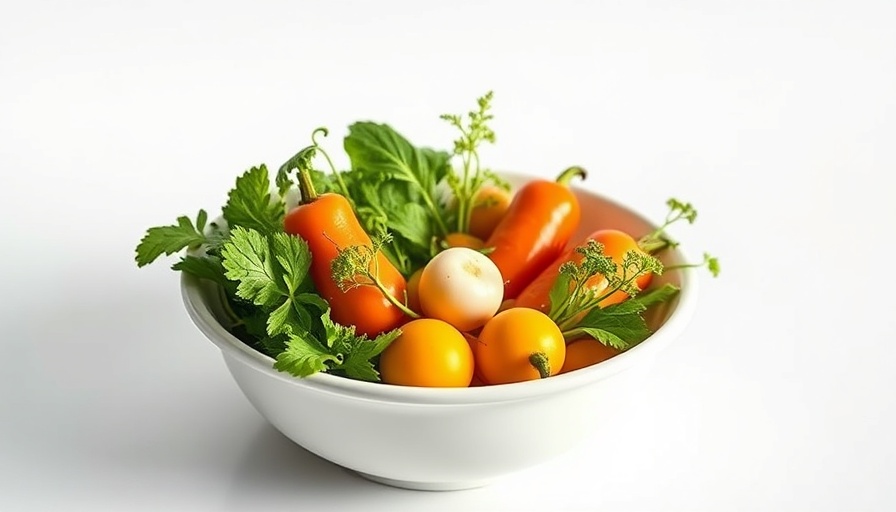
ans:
(621, 325)
(272, 272)
(576, 296)
(264, 278)
(394, 187)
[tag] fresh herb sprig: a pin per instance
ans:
(358, 265)
(174, 238)
(621, 325)
(574, 292)
(474, 131)
(581, 287)
(659, 239)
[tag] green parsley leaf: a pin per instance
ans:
(288, 319)
(247, 259)
(614, 326)
(204, 267)
(168, 240)
(294, 257)
(303, 356)
(255, 323)
(337, 336)
(342, 352)
(622, 325)
(270, 346)
(251, 205)
(356, 352)
(271, 270)
(358, 362)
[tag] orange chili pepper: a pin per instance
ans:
(328, 223)
(541, 219)
(616, 243)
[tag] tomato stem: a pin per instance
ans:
(566, 176)
(541, 363)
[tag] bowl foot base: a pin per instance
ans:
(424, 486)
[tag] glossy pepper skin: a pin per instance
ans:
(328, 223)
(616, 244)
(541, 219)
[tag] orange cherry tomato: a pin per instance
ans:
(463, 240)
(429, 353)
(489, 206)
(586, 352)
(413, 290)
(519, 344)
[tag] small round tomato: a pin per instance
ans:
(489, 207)
(585, 352)
(463, 240)
(519, 344)
(462, 287)
(429, 353)
(413, 291)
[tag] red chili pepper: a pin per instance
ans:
(328, 223)
(541, 219)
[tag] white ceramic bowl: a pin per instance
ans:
(444, 439)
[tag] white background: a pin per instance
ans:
(776, 119)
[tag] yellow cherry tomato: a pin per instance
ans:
(489, 207)
(519, 344)
(413, 291)
(463, 240)
(429, 353)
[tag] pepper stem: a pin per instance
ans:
(306, 187)
(566, 176)
(541, 363)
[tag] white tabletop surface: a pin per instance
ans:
(776, 119)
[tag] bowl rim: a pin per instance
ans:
(234, 349)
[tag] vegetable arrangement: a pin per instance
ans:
(419, 267)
